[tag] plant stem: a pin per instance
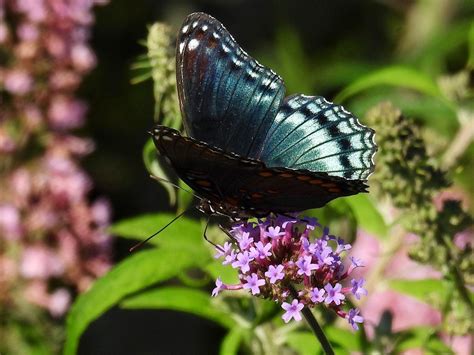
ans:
(316, 328)
(318, 331)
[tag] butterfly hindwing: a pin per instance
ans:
(248, 184)
(227, 98)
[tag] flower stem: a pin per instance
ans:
(316, 328)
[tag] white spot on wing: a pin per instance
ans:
(192, 45)
(181, 47)
(195, 23)
(185, 29)
(204, 28)
(215, 35)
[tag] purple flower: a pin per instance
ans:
(325, 256)
(223, 250)
(334, 294)
(261, 251)
(274, 232)
(311, 223)
(245, 241)
(229, 258)
(355, 263)
(305, 267)
(219, 287)
(275, 273)
(353, 318)
(317, 295)
(357, 289)
(292, 310)
(253, 283)
(243, 260)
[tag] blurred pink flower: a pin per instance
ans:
(3, 32)
(7, 144)
(27, 31)
(10, 222)
(40, 262)
(64, 79)
(101, 211)
(59, 302)
(20, 181)
(82, 57)
(35, 10)
(66, 113)
(18, 82)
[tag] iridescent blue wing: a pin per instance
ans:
(247, 185)
(227, 98)
(313, 134)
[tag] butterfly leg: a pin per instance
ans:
(205, 235)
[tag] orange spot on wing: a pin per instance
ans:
(303, 177)
(205, 183)
(334, 189)
(286, 175)
(265, 173)
(316, 182)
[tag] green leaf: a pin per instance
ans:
(182, 232)
(305, 343)
(343, 339)
(367, 215)
(180, 299)
(227, 274)
(133, 274)
(155, 168)
(470, 40)
(422, 338)
(231, 343)
(420, 289)
(395, 76)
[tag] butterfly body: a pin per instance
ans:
(250, 151)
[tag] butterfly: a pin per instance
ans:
(249, 151)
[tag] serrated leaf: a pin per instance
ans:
(231, 343)
(180, 299)
(131, 275)
(367, 215)
(419, 289)
(400, 76)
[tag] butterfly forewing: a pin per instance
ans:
(227, 98)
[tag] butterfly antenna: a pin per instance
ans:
(138, 245)
(157, 178)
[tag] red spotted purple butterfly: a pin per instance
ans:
(250, 151)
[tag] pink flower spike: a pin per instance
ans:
(253, 284)
(261, 251)
(292, 311)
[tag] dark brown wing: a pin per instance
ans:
(248, 183)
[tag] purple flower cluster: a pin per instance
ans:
(281, 257)
(54, 241)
